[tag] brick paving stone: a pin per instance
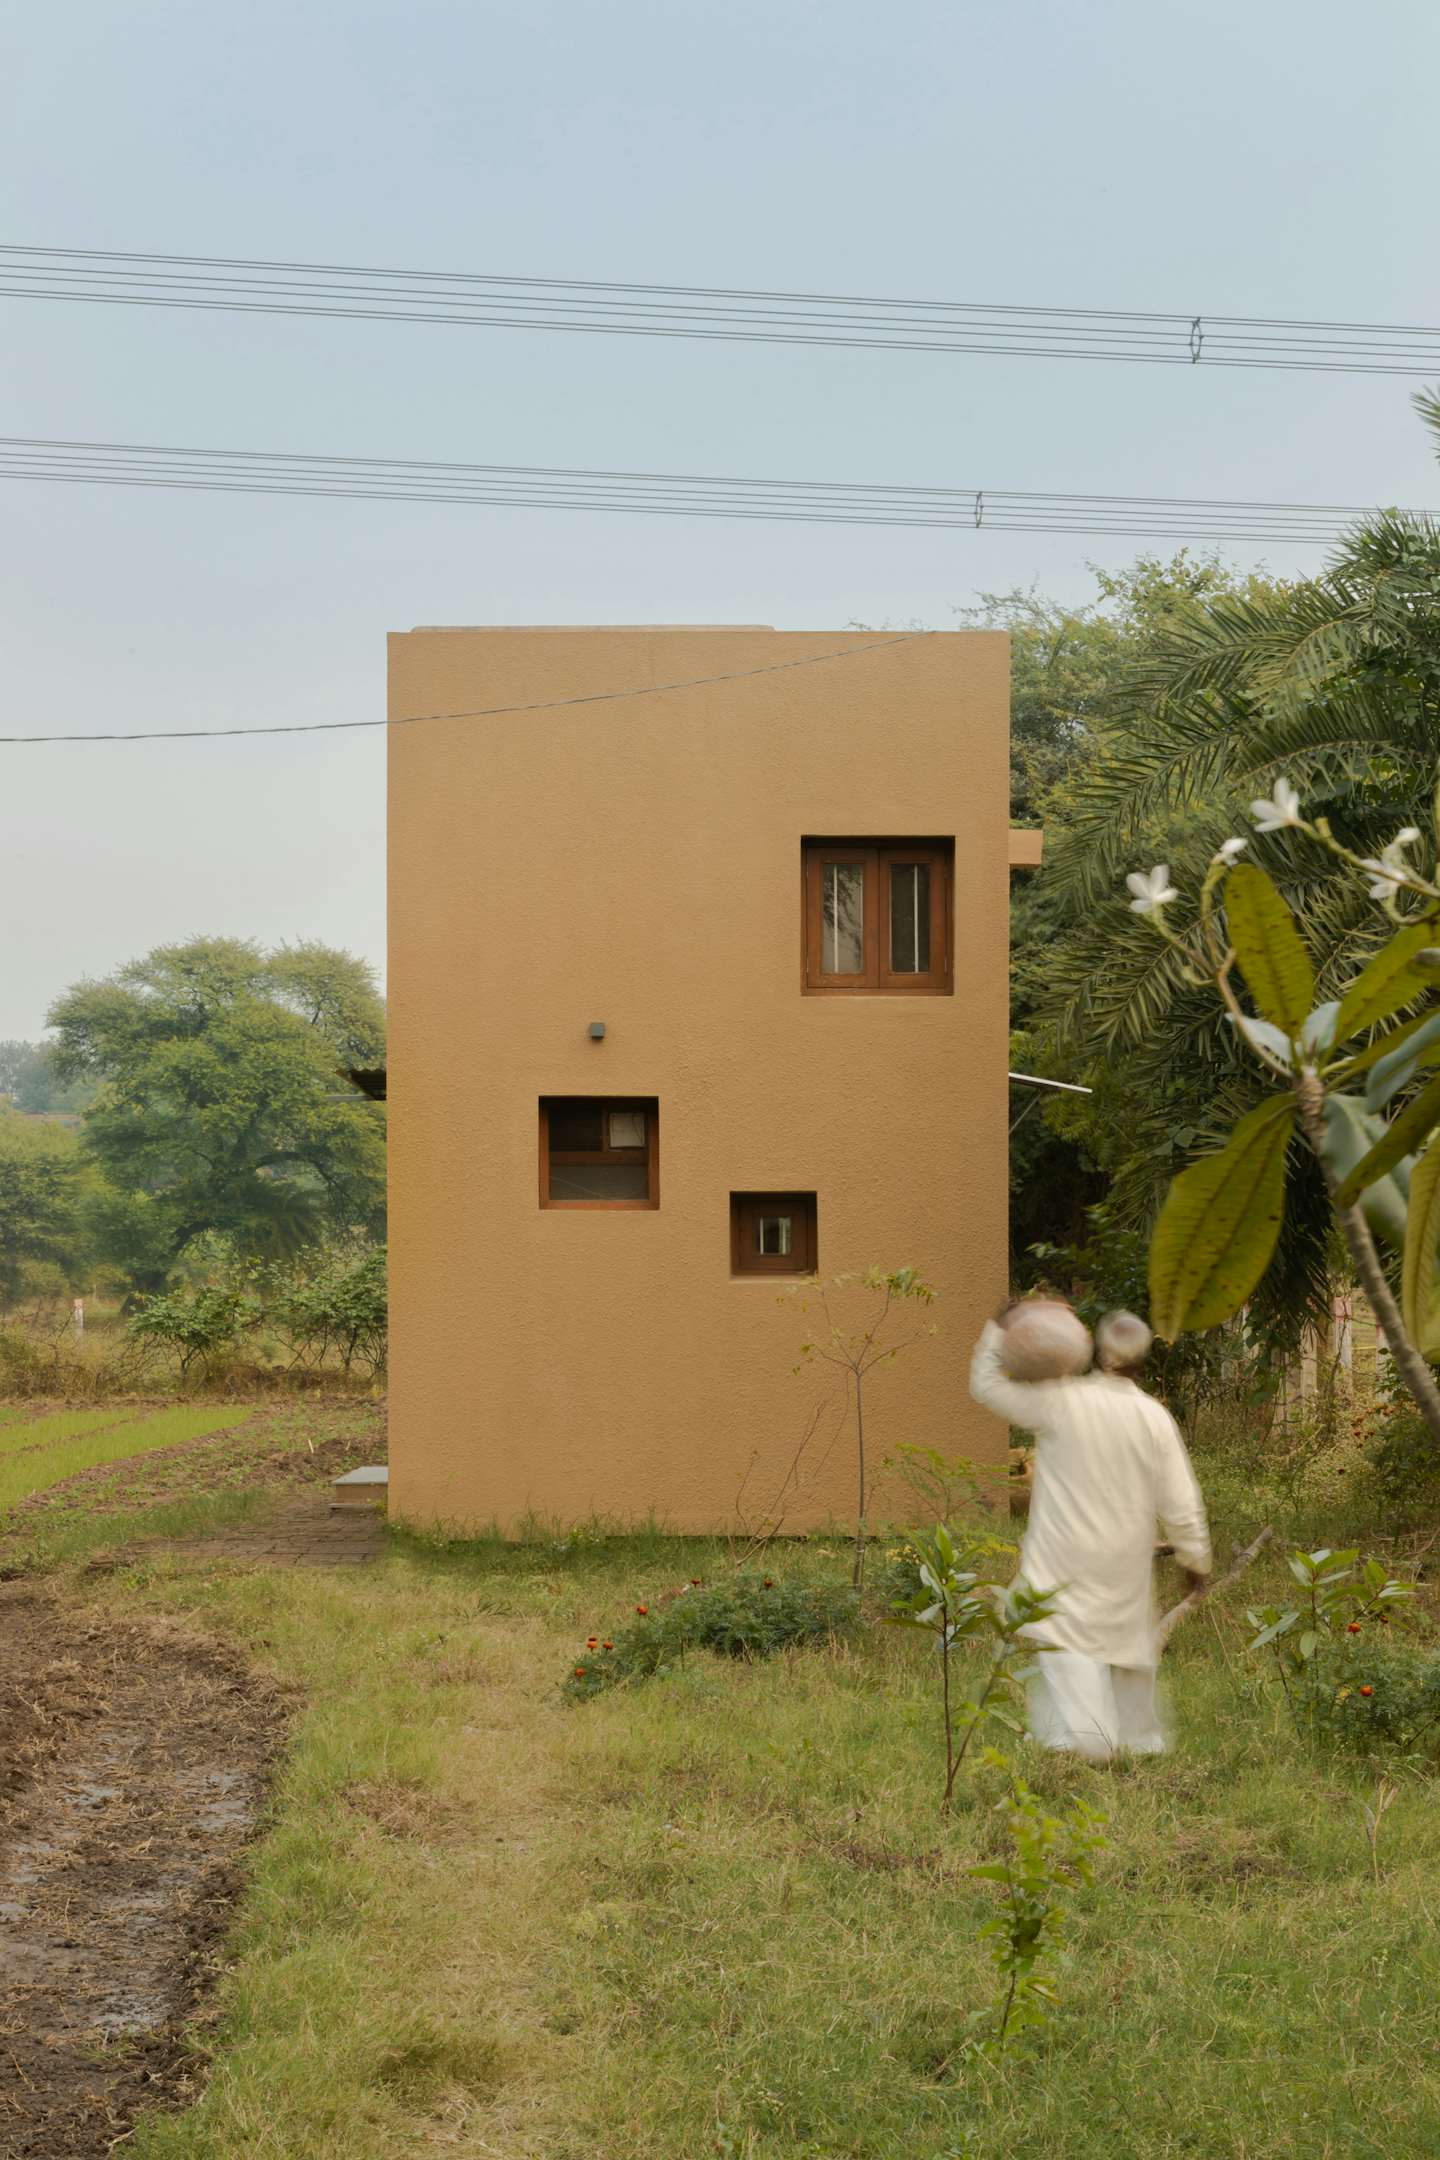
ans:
(304, 1533)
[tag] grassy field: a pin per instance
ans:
(719, 1915)
(46, 1451)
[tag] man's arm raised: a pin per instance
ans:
(1018, 1402)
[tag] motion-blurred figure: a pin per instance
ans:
(1109, 1464)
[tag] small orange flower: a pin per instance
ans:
(579, 1672)
(1354, 1628)
(642, 1610)
(592, 1642)
(695, 1582)
(607, 1646)
(1367, 1691)
(768, 1583)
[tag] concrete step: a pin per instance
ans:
(361, 1488)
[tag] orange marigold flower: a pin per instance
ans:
(579, 1672)
(607, 1646)
(1367, 1691)
(592, 1642)
(642, 1610)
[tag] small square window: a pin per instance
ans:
(599, 1153)
(773, 1234)
(877, 917)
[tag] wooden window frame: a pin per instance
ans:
(745, 1206)
(878, 979)
(649, 1154)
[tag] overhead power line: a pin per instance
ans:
(708, 495)
(484, 300)
(485, 712)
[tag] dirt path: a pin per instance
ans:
(132, 1765)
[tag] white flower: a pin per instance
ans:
(1152, 889)
(1271, 812)
(1228, 850)
(1387, 872)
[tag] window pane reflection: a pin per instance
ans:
(772, 1234)
(842, 918)
(910, 918)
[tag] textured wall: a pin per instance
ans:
(638, 862)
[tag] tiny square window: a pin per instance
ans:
(773, 1234)
(877, 917)
(599, 1153)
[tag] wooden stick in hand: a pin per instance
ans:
(1202, 1590)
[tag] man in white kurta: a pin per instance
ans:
(1109, 1465)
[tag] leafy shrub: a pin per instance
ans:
(1401, 1709)
(204, 1324)
(1403, 1455)
(338, 1306)
(748, 1616)
(955, 1606)
(1045, 1855)
(1324, 1644)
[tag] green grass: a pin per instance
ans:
(70, 1445)
(718, 1914)
(29, 1432)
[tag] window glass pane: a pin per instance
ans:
(842, 918)
(599, 1181)
(576, 1128)
(627, 1128)
(910, 918)
(772, 1234)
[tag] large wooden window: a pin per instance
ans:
(599, 1151)
(773, 1234)
(877, 917)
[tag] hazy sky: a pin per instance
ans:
(1271, 159)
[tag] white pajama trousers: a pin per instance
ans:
(1090, 1709)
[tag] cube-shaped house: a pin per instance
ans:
(698, 980)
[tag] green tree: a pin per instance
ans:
(41, 1170)
(1221, 1219)
(1070, 675)
(222, 1106)
(28, 1077)
(1332, 682)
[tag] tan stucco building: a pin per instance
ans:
(692, 990)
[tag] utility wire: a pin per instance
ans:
(485, 712)
(117, 278)
(711, 495)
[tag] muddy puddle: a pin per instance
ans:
(133, 1763)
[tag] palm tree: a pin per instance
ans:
(1334, 683)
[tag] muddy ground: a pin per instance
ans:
(133, 1764)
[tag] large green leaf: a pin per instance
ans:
(1269, 948)
(1350, 1133)
(1390, 981)
(1398, 1067)
(1422, 1229)
(1218, 1227)
(1386, 1045)
(1403, 1135)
